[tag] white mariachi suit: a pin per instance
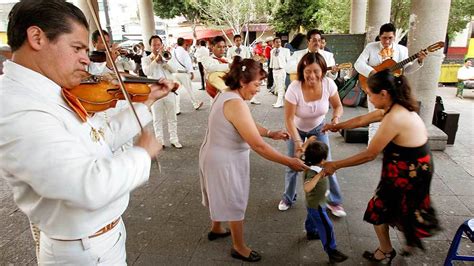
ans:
(278, 60)
(165, 106)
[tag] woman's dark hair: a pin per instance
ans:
(154, 37)
(308, 59)
(245, 71)
(315, 153)
(397, 87)
(54, 17)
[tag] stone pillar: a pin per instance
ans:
(82, 5)
(358, 16)
(428, 24)
(147, 21)
(379, 14)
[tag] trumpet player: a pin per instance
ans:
(156, 66)
(183, 63)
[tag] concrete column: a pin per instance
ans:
(358, 16)
(428, 24)
(147, 21)
(82, 5)
(379, 14)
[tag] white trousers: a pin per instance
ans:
(279, 77)
(165, 107)
(106, 249)
(373, 126)
(185, 80)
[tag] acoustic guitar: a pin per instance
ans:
(215, 83)
(396, 68)
(348, 65)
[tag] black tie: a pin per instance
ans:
(277, 51)
(238, 50)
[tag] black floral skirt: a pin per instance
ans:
(402, 198)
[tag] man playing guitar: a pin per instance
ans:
(216, 65)
(377, 52)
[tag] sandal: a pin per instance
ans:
(388, 256)
(253, 257)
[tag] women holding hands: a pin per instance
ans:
(224, 154)
(402, 197)
(307, 101)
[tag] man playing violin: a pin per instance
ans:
(61, 170)
(376, 52)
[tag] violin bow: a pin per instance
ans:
(114, 66)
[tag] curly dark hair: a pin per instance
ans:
(245, 71)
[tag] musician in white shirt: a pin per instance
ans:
(201, 52)
(377, 52)
(58, 162)
(155, 67)
(279, 57)
(216, 63)
(466, 77)
(238, 49)
(181, 60)
(314, 41)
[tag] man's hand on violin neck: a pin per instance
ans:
(159, 90)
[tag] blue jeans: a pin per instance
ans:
(317, 221)
(335, 196)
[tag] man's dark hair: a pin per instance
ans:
(202, 43)
(154, 37)
(237, 36)
(180, 41)
(54, 17)
(387, 27)
(96, 35)
(276, 38)
(217, 40)
(315, 153)
(312, 32)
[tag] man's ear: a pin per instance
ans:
(35, 37)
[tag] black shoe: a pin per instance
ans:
(387, 259)
(336, 256)
(312, 236)
(178, 113)
(213, 236)
(253, 257)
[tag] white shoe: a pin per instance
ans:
(255, 102)
(176, 144)
(337, 210)
(282, 206)
(277, 106)
(198, 105)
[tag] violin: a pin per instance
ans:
(99, 93)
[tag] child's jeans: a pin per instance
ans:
(317, 221)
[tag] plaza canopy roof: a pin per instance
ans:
(205, 33)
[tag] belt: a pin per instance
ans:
(277, 68)
(101, 231)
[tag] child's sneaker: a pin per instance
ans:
(337, 210)
(336, 256)
(283, 206)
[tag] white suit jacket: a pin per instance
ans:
(291, 67)
(63, 175)
(282, 58)
(370, 57)
(244, 53)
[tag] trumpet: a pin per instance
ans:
(137, 49)
(166, 55)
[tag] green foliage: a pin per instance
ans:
(292, 14)
(460, 14)
(334, 17)
(168, 9)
